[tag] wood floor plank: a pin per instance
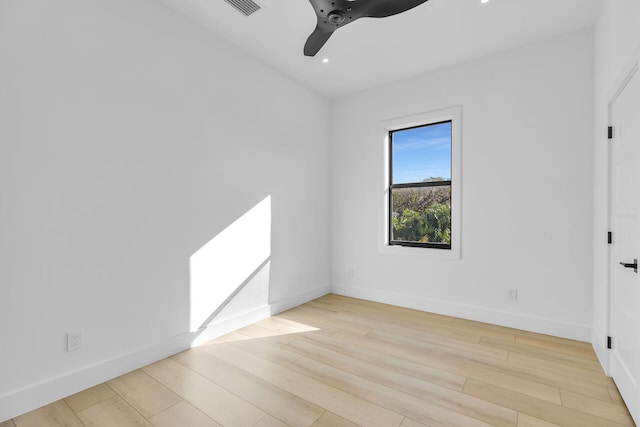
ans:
(457, 365)
(284, 326)
(89, 397)
(113, 412)
(57, 414)
(269, 421)
(538, 408)
(553, 379)
(601, 409)
(392, 314)
(344, 404)
(488, 329)
(381, 322)
(385, 361)
(332, 420)
(387, 309)
(443, 335)
(397, 316)
(303, 315)
(270, 352)
(525, 420)
(436, 394)
(386, 397)
(182, 414)
(255, 331)
(443, 345)
(560, 345)
(144, 393)
(216, 402)
(561, 369)
(543, 353)
(230, 337)
(322, 305)
(363, 306)
(408, 422)
(446, 327)
(263, 395)
(318, 310)
(615, 396)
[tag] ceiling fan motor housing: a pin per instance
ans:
(336, 17)
(333, 12)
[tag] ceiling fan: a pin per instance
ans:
(334, 14)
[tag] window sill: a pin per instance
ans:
(433, 253)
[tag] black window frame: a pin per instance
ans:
(391, 187)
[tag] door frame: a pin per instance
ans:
(630, 71)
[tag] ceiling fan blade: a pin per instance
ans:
(384, 8)
(316, 40)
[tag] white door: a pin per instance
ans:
(625, 223)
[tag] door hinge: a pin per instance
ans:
(609, 343)
(609, 237)
(610, 132)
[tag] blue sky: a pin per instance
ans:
(422, 153)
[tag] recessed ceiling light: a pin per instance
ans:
(484, 1)
(325, 60)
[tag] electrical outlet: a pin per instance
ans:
(74, 341)
(513, 295)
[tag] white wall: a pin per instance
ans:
(617, 43)
(130, 137)
(526, 190)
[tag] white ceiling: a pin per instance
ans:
(370, 51)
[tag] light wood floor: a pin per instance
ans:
(338, 361)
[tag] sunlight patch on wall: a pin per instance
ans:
(224, 265)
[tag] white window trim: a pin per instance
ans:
(455, 115)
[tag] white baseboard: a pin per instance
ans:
(296, 300)
(466, 311)
(600, 346)
(33, 397)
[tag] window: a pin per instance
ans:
(420, 186)
(421, 159)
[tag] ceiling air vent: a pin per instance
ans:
(246, 7)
